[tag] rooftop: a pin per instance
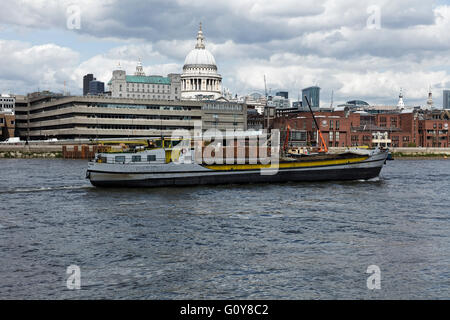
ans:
(147, 79)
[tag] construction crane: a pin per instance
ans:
(323, 145)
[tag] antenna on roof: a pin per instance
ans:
(265, 86)
(332, 96)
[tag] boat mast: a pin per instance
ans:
(323, 147)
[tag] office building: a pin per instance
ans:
(7, 104)
(279, 102)
(86, 80)
(96, 88)
(283, 94)
(140, 86)
(55, 116)
(313, 94)
(446, 99)
(7, 116)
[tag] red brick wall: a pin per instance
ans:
(404, 129)
(7, 126)
(434, 133)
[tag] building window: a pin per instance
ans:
(337, 135)
(394, 122)
(120, 159)
(331, 124)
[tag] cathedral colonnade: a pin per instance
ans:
(198, 84)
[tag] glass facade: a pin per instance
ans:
(313, 94)
(86, 80)
(96, 88)
(446, 102)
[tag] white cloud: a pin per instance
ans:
(26, 68)
(295, 44)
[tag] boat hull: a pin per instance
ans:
(364, 170)
(304, 176)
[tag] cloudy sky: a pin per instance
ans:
(359, 49)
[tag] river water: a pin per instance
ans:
(279, 241)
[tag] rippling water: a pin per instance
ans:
(281, 241)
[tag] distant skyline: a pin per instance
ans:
(364, 50)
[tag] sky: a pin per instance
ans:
(355, 49)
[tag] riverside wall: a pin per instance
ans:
(84, 151)
(36, 150)
(398, 153)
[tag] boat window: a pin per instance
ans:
(174, 143)
(151, 157)
(136, 158)
(120, 159)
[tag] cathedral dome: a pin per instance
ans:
(200, 79)
(200, 57)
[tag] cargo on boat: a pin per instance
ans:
(167, 167)
(188, 162)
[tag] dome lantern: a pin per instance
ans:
(200, 38)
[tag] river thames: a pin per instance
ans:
(274, 241)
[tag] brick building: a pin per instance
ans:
(7, 126)
(346, 129)
(336, 127)
(433, 130)
(7, 116)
